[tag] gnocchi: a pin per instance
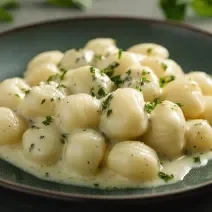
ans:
(106, 117)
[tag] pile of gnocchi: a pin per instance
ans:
(101, 108)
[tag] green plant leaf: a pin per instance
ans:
(174, 9)
(5, 16)
(81, 4)
(9, 4)
(202, 7)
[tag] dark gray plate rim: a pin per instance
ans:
(83, 197)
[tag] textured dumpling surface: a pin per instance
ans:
(89, 80)
(12, 92)
(150, 49)
(198, 136)
(78, 111)
(166, 130)
(134, 160)
(188, 93)
(41, 101)
(12, 127)
(85, 152)
(123, 116)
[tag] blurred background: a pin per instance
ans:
(15, 13)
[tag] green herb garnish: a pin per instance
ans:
(120, 53)
(179, 104)
(31, 147)
(110, 69)
(47, 121)
(102, 92)
(17, 95)
(92, 92)
(149, 51)
(117, 80)
(164, 66)
(164, 80)
(106, 102)
(43, 101)
(165, 177)
(197, 159)
(148, 107)
(109, 112)
(93, 72)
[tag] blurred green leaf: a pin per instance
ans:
(9, 4)
(5, 16)
(81, 4)
(174, 9)
(202, 7)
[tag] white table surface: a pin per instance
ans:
(33, 11)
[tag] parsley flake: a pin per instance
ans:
(109, 112)
(47, 121)
(149, 51)
(92, 92)
(102, 92)
(93, 72)
(17, 95)
(164, 80)
(179, 104)
(148, 107)
(165, 177)
(106, 102)
(117, 80)
(110, 69)
(43, 101)
(120, 53)
(197, 159)
(31, 147)
(164, 66)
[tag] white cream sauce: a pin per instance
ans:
(105, 178)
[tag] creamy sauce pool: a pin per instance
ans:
(179, 168)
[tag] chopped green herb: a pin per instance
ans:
(31, 147)
(5, 16)
(144, 73)
(174, 9)
(120, 53)
(9, 4)
(35, 127)
(149, 51)
(61, 86)
(165, 177)
(42, 136)
(110, 69)
(43, 101)
(102, 92)
(56, 77)
(179, 104)
(93, 72)
(164, 80)
(148, 107)
(17, 95)
(109, 112)
(144, 79)
(92, 92)
(96, 185)
(164, 66)
(202, 7)
(117, 80)
(47, 121)
(47, 174)
(197, 159)
(138, 88)
(106, 102)
(63, 74)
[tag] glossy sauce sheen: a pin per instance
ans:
(106, 178)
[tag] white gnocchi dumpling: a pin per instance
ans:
(118, 63)
(198, 136)
(41, 101)
(166, 130)
(85, 152)
(102, 46)
(42, 145)
(204, 81)
(177, 70)
(12, 92)
(123, 116)
(141, 78)
(40, 73)
(89, 80)
(78, 111)
(159, 66)
(12, 127)
(150, 49)
(134, 160)
(54, 57)
(76, 58)
(207, 114)
(188, 93)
